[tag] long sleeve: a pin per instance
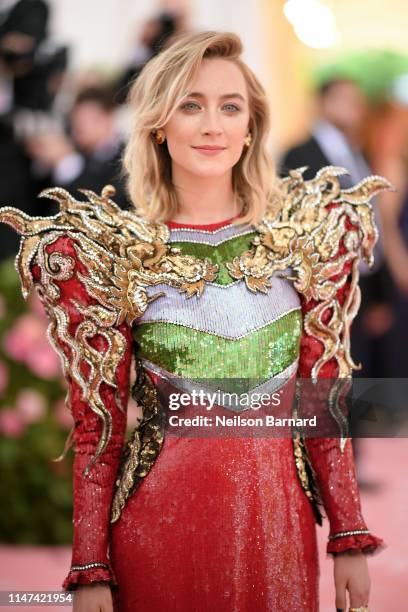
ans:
(334, 467)
(96, 357)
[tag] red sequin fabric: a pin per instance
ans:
(218, 523)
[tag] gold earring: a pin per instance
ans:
(159, 136)
(248, 139)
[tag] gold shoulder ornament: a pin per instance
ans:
(319, 228)
(123, 254)
(320, 234)
(317, 231)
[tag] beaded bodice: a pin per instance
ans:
(257, 302)
(261, 302)
(228, 331)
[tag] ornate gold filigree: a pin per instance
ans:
(319, 229)
(97, 321)
(144, 445)
(123, 255)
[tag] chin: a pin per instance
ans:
(215, 172)
(208, 170)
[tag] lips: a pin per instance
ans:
(209, 148)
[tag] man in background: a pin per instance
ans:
(89, 157)
(31, 72)
(336, 139)
(337, 134)
(157, 32)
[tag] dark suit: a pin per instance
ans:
(307, 153)
(97, 173)
(94, 175)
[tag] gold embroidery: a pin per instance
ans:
(123, 255)
(318, 230)
(122, 252)
(144, 445)
(96, 322)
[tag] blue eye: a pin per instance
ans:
(186, 106)
(233, 106)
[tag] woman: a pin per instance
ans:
(224, 275)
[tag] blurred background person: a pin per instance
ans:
(336, 136)
(157, 32)
(31, 60)
(390, 156)
(89, 155)
(31, 73)
(337, 139)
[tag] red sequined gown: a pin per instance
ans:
(218, 524)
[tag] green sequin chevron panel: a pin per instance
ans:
(191, 353)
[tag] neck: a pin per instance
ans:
(204, 200)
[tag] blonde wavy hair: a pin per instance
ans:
(155, 95)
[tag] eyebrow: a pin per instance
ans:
(197, 94)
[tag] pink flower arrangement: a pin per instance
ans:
(4, 377)
(11, 423)
(44, 361)
(30, 405)
(23, 336)
(27, 342)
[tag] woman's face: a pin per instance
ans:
(205, 135)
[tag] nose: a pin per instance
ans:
(211, 123)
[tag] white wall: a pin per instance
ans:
(100, 32)
(239, 16)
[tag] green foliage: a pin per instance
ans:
(374, 70)
(36, 492)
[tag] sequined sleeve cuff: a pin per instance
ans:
(359, 539)
(88, 574)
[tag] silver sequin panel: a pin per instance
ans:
(223, 313)
(213, 238)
